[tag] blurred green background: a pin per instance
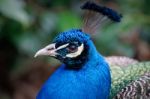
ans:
(28, 25)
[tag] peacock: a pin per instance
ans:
(85, 73)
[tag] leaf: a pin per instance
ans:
(48, 22)
(14, 9)
(68, 20)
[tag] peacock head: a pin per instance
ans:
(70, 47)
(74, 47)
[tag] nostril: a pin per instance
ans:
(50, 49)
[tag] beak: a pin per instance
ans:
(48, 51)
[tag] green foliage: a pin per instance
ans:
(68, 20)
(14, 9)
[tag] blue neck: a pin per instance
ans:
(96, 71)
(99, 65)
(93, 56)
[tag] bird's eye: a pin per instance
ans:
(72, 48)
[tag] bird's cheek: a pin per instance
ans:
(62, 53)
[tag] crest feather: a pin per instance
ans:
(97, 15)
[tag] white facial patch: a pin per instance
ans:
(63, 46)
(77, 53)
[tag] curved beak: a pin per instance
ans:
(48, 51)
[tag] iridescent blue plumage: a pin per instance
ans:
(91, 80)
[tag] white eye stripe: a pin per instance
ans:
(77, 53)
(63, 46)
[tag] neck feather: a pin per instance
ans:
(91, 56)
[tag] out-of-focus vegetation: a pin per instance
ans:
(28, 25)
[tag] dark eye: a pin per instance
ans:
(72, 48)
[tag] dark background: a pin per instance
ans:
(28, 25)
